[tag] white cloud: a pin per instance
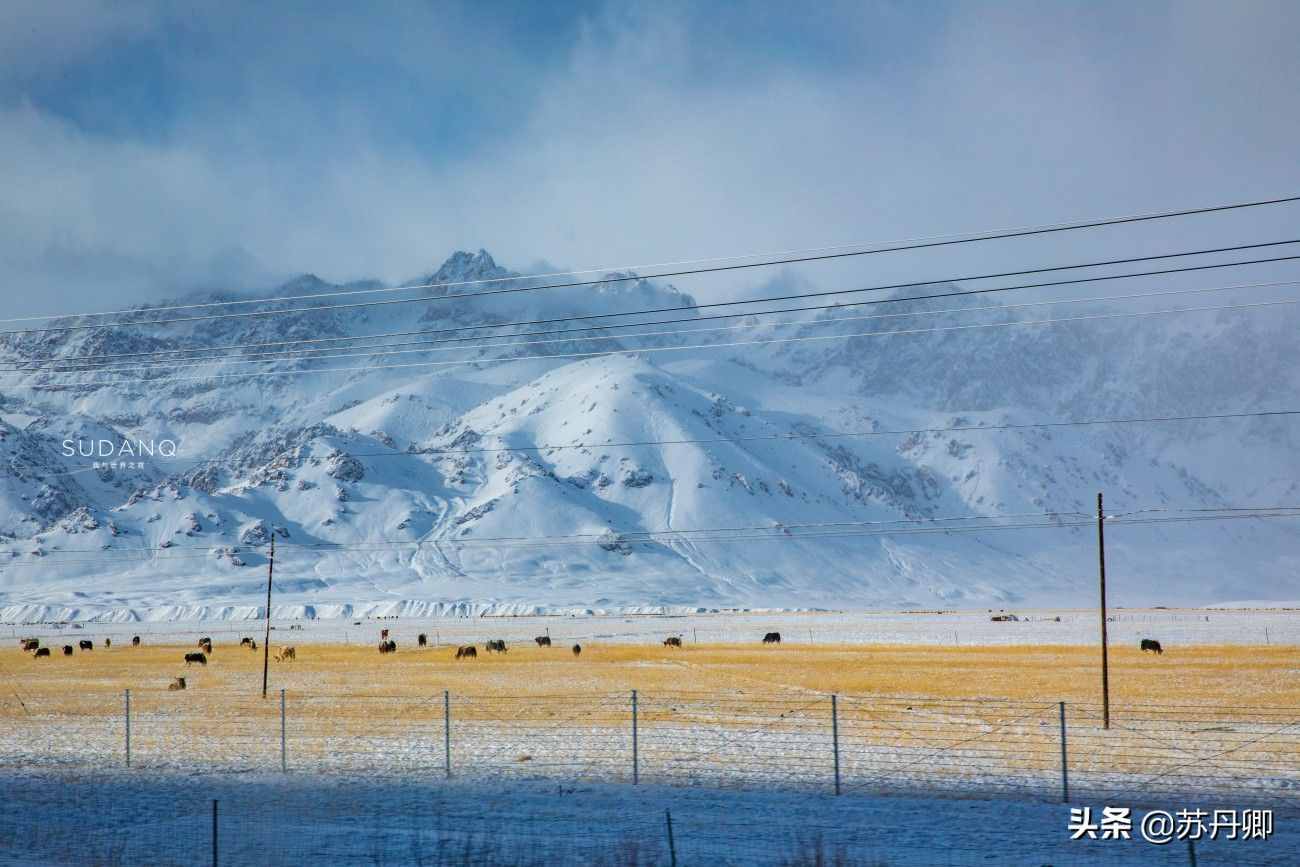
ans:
(40, 38)
(642, 143)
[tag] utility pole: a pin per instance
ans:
(265, 645)
(1105, 652)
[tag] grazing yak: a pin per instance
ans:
(30, 644)
(85, 644)
(42, 651)
(108, 642)
(672, 641)
(67, 650)
(496, 646)
(772, 638)
(285, 654)
(577, 650)
(422, 640)
(135, 641)
(245, 642)
(177, 683)
(206, 644)
(388, 647)
(1152, 645)
(543, 640)
(467, 652)
(199, 657)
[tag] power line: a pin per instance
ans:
(770, 299)
(596, 536)
(518, 289)
(648, 349)
(782, 258)
(1219, 509)
(384, 349)
(126, 556)
(817, 323)
(1285, 413)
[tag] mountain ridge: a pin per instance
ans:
(357, 461)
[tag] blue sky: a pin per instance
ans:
(150, 149)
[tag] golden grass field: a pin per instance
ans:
(351, 708)
(1211, 675)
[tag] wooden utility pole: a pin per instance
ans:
(1105, 651)
(265, 644)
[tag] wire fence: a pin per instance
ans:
(1051, 751)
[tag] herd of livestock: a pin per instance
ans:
(33, 646)
(199, 657)
(386, 645)
(289, 653)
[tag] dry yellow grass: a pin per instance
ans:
(351, 707)
(1216, 676)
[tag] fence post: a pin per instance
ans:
(636, 759)
(284, 754)
(446, 730)
(214, 832)
(128, 728)
(672, 845)
(1065, 767)
(835, 737)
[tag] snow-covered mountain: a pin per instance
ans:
(530, 475)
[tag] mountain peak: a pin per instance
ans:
(306, 282)
(462, 266)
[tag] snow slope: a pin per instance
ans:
(344, 464)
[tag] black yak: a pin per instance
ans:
(196, 657)
(1152, 645)
(86, 645)
(467, 652)
(577, 650)
(772, 638)
(42, 651)
(672, 641)
(543, 640)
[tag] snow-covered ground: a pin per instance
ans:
(145, 818)
(1172, 627)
